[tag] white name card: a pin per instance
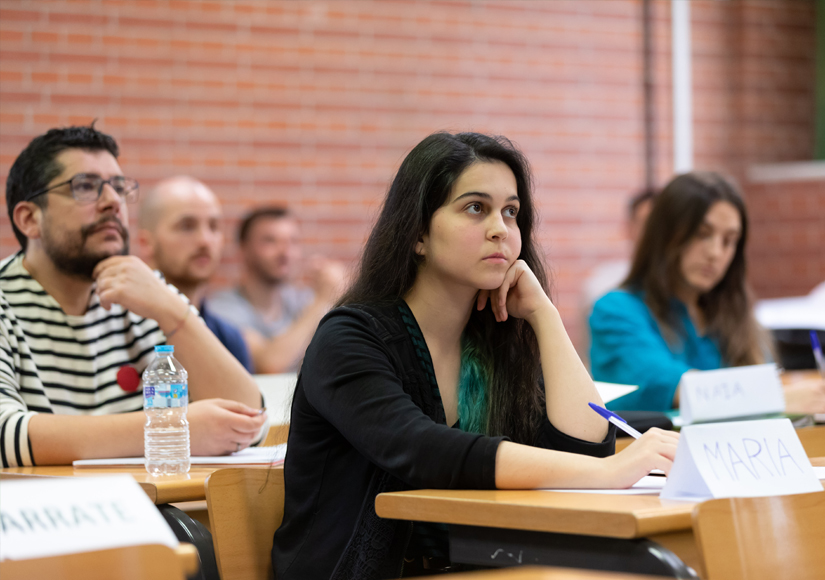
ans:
(740, 459)
(730, 393)
(50, 517)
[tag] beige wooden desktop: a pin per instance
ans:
(544, 573)
(127, 563)
(615, 516)
(161, 490)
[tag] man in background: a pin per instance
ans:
(80, 317)
(277, 317)
(180, 234)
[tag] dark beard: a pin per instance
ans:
(73, 259)
(262, 274)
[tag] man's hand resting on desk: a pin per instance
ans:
(655, 449)
(805, 396)
(221, 426)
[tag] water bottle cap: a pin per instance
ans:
(165, 348)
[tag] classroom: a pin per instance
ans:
(526, 289)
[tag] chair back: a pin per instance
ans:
(246, 506)
(278, 434)
(758, 538)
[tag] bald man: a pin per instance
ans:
(180, 234)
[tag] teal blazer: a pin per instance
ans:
(627, 347)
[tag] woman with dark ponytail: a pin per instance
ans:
(445, 365)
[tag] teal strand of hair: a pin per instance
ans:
(472, 389)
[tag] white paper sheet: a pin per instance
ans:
(610, 391)
(730, 393)
(277, 391)
(250, 456)
(802, 312)
(65, 515)
(648, 485)
(740, 459)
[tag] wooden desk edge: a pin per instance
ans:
(187, 555)
(555, 519)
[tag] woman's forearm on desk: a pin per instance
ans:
(524, 467)
(60, 439)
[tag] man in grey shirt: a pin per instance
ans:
(276, 317)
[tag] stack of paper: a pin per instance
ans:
(272, 456)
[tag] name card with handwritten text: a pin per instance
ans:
(740, 459)
(50, 517)
(730, 393)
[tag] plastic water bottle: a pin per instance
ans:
(165, 398)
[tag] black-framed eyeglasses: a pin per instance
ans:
(87, 187)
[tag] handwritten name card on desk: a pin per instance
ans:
(740, 459)
(68, 515)
(730, 393)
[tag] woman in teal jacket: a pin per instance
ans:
(685, 304)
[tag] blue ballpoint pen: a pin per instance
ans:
(616, 420)
(820, 360)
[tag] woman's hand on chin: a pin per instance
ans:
(520, 295)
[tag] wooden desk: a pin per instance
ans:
(668, 523)
(127, 563)
(531, 573)
(612, 516)
(161, 490)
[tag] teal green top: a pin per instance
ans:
(627, 347)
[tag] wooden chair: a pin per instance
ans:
(762, 537)
(278, 434)
(246, 506)
(148, 562)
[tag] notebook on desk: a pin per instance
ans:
(272, 456)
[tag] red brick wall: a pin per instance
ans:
(315, 103)
(787, 250)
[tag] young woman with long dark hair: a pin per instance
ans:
(686, 303)
(445, 365)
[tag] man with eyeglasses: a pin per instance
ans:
(79, 319)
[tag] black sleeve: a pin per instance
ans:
(548, 437)
(349, 379)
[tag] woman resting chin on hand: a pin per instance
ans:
(445, 365)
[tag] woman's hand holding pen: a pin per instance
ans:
(655, 449)
(519, 295)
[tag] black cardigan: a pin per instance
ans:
(363, 422)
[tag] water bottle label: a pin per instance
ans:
(165, 396)
(178, 391)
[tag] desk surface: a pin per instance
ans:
(590, 514)
(534, 573)
(615, 516)
(159, 489)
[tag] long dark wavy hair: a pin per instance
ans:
(677, 214)
(389, 265)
